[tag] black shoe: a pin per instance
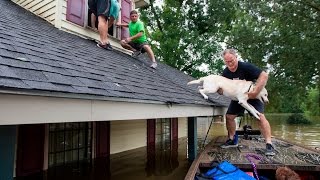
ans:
(229, 144)
(269, 150)
(105, 46)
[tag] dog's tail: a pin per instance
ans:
(198, 81)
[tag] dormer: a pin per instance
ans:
(73, 16)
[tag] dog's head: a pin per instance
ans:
(263, 96)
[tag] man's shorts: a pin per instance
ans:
(100, 7)
(236, 109)
(138, 46)
(92, 6)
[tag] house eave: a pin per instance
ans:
(34, 109)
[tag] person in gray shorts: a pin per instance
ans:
(245, 71)
(101, 8)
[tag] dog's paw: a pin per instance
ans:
(206, 97)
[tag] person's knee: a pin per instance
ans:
(148, 49)
(230, 117)
(111, 21)
(145, 47)
(102, 20)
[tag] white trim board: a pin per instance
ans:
(24, 109)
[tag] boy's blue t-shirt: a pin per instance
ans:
(114, 9)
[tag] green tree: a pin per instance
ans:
(311, 106)
(185, 34)
(285, 35)
(281, 36)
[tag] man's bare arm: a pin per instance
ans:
(260, 84)
(122, 25)
(129, 39)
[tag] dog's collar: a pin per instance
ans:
(250, 86)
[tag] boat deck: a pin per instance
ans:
(288, 154)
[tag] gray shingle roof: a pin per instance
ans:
(36, 56)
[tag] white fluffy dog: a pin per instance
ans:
(235, 89)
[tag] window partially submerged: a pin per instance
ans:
(69, 143)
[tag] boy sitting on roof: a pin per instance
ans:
(137, 42)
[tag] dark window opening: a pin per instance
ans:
(163, 134)
(69, 143)
(92, 19)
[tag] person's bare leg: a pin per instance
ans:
(265, 128)
(126, 46)
(103, 29)
(93, 21)
(111, 21)
(231, 125)
(149, 51)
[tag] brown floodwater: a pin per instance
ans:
(173, 164)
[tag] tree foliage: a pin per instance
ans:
(297, 118)
(281, 36)
(285, 35)
(183, 35)
(311, 105)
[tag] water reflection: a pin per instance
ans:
(306, 135)
(156, 162)
(162, 161)
(151, 162)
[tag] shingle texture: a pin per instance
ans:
(36, 56)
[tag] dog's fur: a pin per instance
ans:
(235, 89)
(284, 173)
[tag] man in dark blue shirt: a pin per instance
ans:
(245, 71)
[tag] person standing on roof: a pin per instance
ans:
(107, 11)
(137, 42)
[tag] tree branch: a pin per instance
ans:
(155, 15)
(311, 4)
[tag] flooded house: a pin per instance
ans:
(63, 100)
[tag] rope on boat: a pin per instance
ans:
(248, 156)
(204, 142)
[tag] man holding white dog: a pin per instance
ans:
(245, 71)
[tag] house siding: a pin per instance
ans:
(182, 127)
(43, 8)
(127, 135)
